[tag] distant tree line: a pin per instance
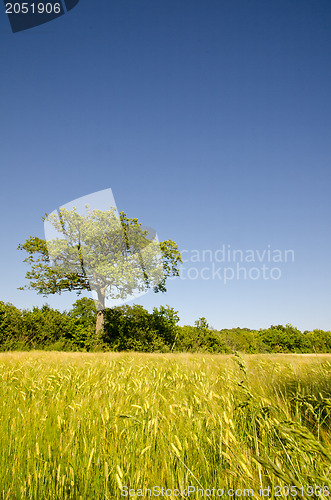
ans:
(133, 328)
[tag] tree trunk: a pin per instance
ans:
(100, 322)
(101, 312)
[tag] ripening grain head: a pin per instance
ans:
(77, 425)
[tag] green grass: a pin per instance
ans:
(78, 426)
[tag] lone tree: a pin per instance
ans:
(113, 256)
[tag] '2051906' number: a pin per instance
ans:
(32, 8)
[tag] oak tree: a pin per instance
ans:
(112, 255)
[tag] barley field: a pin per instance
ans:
(116, 425)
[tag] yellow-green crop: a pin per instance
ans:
(82, 426)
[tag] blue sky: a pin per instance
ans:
(210, 122)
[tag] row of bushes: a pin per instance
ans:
(43, 328)
(126, 328)
(133, 328)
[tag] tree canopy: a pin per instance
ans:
(111, 255)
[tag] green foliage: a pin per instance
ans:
(201, 324)
(284, 339)
(10, 324)
(243, 340)
(82, 318)
(100, 252)
(43, 277)
(44, 327)
(318, 341)
(84, 311)
(164, 320)
(200, 338)
(134, 328)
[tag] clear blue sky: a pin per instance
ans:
(209, 119)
